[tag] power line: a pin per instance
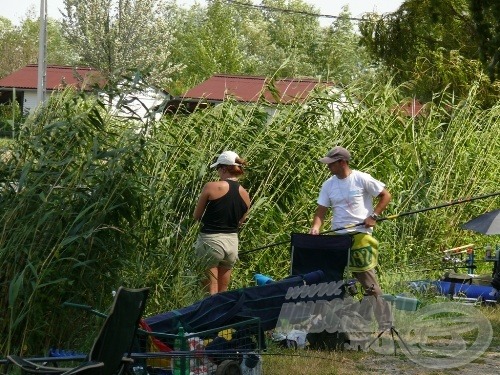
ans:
(282, 10)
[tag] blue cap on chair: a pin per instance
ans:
(262, 279)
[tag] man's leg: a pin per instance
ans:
(372, 291)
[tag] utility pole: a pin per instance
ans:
(42, 54)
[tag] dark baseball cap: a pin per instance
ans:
(335, 154)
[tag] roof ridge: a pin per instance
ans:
(55, 66)
(267, 78)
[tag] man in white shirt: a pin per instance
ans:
(350, 194)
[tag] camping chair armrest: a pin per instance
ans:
(34, 368)
(84, 307)
(127, 360)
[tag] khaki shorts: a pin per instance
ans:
(218, 249)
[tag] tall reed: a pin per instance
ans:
(69, 194)
(91, 202)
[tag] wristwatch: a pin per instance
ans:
(374, 216)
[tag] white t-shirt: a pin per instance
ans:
(351, 199)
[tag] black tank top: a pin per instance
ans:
(223, 215)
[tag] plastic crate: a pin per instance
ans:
(202, 353)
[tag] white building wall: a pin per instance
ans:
(30, 101)
(137, 104)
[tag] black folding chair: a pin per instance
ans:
(111, 351)
(327, 253)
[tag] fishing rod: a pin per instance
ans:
(390, 217)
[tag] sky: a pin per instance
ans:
(16, 9)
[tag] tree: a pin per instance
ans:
(117, 36)
(281, 38)
(207, 41)
(237, 39)
(294, 35)
(418, 27)
(430, 42)
(14, 53)
(19, 44)
(339, 57)
(486, 18)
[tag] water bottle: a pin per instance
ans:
(488, 252)
(180, 360)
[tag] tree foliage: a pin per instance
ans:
(207, 41)
(19, 44)
(432, 43)
(180, 47)
(116, 36)
(280, 38)
(486, 18)
(338, 56)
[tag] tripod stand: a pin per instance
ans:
(393, 332)
(401, 303)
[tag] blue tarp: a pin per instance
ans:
(455, 289)
(264, 302)
(315, 260)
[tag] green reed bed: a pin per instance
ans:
(66, 202)
(90, 202)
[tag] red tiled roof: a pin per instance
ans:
(56, 77)
(250, 88)
(412, 108)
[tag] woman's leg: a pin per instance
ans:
(224, 276)
(211, 283)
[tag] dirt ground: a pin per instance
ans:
(487, 364)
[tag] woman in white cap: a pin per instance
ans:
(222, 208)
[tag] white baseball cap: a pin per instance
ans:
(226, 158)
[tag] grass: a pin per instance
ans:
(313, 362)
(4, 142)
(310, 362)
